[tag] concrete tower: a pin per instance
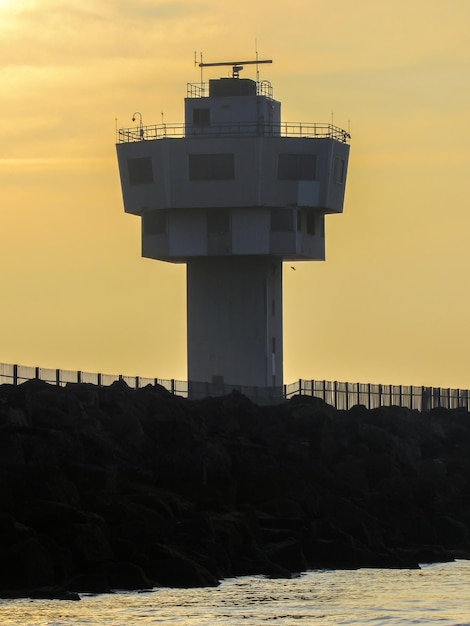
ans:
(233, 192)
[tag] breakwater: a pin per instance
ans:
(118, 488)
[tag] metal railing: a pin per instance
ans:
(341, 395)
(201, 90)
(284, 129)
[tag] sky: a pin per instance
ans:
(391, 302)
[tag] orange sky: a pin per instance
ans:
(390, 304)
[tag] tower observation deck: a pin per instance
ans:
(233, 192)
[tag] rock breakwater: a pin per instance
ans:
(115, 488)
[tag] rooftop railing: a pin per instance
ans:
(201, 90)
(285, 129)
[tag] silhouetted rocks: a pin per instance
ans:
(106, 488)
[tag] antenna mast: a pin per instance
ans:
(201, 65)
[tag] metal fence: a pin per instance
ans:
(241, 129)
(346, 395)
(17, 374)
(341, 395)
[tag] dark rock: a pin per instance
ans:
(90, 580)
(111, 487)
(172, 568)
(90, 543)
(125, 575)
(25, 565)
(286, 551)
(12, 532)
(53, 593)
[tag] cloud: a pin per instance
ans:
(55, 34)
(142, 10)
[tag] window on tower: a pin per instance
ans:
(339, 173)
(218, 221)
(201, 117)
(155, 222)
(311, 219)
(282, 220)
(140, 171)
(211, 167)
(297, 167)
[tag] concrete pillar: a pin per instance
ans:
(235, 320)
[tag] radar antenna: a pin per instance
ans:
(237, 66)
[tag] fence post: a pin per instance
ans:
(380, 395)
(173, 386)
(79, 376)
(347, 397)
(430, 399)
(336, 393)
(99, 380)
(57, 377)
(36, 373)
(300, 386)
(137, 382)
(284, 391)
(15, 374)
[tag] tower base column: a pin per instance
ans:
(235, 321)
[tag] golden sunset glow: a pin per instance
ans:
(390, 304)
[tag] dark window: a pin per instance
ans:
(155, 223)
(140, 171)
(211, 167)
(339, 173)
(282, 220)
(297, 167)
(218, 221)
(201, 117)
(311, 223)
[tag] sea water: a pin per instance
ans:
(436, 594)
